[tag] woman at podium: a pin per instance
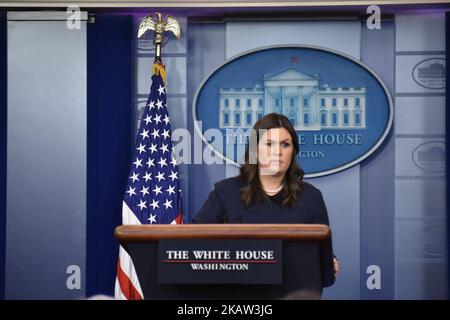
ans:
(270, 186)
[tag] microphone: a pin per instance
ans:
(224, 218)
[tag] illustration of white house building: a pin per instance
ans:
(434, 70)
(298, 96)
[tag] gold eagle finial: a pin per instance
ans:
(159, 25)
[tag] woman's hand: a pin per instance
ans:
(336, 267)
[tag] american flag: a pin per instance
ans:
(153, 193)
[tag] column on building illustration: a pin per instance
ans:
(316, 107)
(305, 109)
(299, 109)
(267, 104)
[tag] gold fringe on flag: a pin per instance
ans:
(159, 68)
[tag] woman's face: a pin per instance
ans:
(275, 150)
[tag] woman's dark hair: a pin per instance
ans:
(253, 192)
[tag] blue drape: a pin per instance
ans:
(110, 103)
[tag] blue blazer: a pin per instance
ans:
(224, 206)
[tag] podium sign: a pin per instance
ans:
(282, 258)
(220, 261)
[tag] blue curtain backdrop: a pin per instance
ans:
(447, 128)
(2, 151)
(110, 103)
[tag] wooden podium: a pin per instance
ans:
(307, 261)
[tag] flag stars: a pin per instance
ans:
(151, 192)
(144, 134)
(148, 176)
(157, 190)
(162, 162)
(138, 163)
(148, 120)
(165, 134)
(164, 148)
(141, 148)
(155, 133)
(134, 177)
(161, 90)
(142, 204)
(168, 204)
(150, 163)
(144, 191)
(157, 118)
(173, 175)
(153, 148)
(160, 176)
(131, 191)
(171, 190)
(154, 204)
(166, 119)
(152, 218)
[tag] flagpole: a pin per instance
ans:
(151, 201)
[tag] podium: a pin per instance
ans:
(306, 261)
